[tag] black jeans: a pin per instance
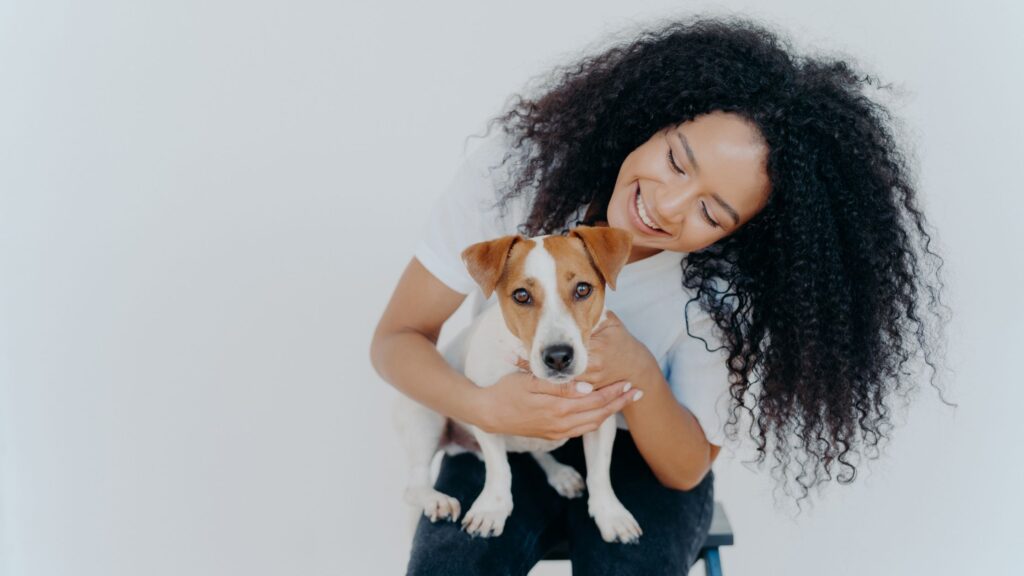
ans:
(674, 522)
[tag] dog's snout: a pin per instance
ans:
(558, 357)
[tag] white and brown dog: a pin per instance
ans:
(550, 298)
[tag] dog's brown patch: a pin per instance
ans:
(573, 267)
(521, 320)
(587, 255)
(487, 261)
(608, 248)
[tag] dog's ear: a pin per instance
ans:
(486, 261)
(608, 249)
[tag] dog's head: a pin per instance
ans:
(551, 290)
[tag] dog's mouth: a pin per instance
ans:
(558, 375)
(545, 373)
(559, 378)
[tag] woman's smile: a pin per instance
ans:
(642, 217)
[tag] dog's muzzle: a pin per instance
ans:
(558, 357)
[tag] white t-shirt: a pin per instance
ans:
(649, 297)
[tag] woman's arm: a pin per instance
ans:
(404, 347)
(666, 433)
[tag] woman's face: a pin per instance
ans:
(695, 183)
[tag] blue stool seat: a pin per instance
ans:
(720, 534)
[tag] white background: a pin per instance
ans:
(205, 205)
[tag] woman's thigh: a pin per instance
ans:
(674, 522)
(536, 523)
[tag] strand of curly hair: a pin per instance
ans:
(826, 298)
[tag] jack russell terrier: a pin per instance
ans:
(550, 299)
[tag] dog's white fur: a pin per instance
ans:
(486, 351)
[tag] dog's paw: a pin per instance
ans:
(567, 482)
(615, 522)
(434, 504)
(486, 517)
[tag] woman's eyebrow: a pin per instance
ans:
(728, 209)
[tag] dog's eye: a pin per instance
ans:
(522, 296)
(583, 290)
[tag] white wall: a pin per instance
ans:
(205, 205)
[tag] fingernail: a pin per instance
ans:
(638, 395)
(584, 387)
(627, 387)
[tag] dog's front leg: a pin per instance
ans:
(563, 478)
(611, 517)
(421, 431)
(487, 515)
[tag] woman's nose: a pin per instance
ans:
(673, 202)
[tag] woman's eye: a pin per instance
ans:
(521, 296)
(704, 210)
(672, 161)
(583, 290)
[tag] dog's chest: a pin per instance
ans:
(487, 351)
(527, 444)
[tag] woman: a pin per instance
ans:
(777, 190)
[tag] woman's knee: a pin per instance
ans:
(675, 524)
(444, 548)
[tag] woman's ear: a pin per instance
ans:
(486, 261)
(608, 249)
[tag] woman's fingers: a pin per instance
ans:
(599, 398)
(589, 420)
(569, 389)
(610, 320)
(570, 412)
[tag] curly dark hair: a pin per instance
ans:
(829, 295)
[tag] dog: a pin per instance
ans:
(550, 299)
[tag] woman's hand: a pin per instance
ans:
(614, 355)
(521, 404)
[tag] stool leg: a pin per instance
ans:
(712, 563)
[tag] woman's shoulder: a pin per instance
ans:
(472, 208)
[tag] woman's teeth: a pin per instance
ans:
(642, 211)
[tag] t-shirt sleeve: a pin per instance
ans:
(467, 212)
(699, 378)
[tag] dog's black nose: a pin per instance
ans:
(558, 357)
